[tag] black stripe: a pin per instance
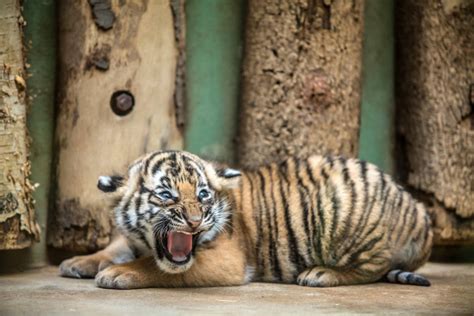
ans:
(349, 218)
(125, 217)
(320, 233)
(381, 214)
(302, 264)
(158, 249)
(321, 211)
(307, 273)
(150, 201)
(252, 205)
(404, 218)
(229, 220)
(423, 230)
(320, 274)
(304, 206)
(316, 232)
(373, 226)
(367, 247)
(256, 207)
(139, 228)
(292, 243)
(277, 270)
(157, 166)
(261, 257)
(143, 239)
(395, 206)
(427, 228)
(415, 217)
(414, 223)
(141, 187)
(336, 208)
(410, 278)
(138, 203)
(395, 277)
(363, 172)
(126, 220)
(330, 161)
(367, 210)
(266, 211)
(148, 160)
(173, 157)
(376, 259)
(165, 183)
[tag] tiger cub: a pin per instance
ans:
(320, 222)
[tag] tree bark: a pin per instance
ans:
(130, 47)
(18, 227)
(435, 101)
(301, 79)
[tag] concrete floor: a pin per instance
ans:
(43, 292)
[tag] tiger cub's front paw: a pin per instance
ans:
(318, 277)
(84, 266)
(119, 277)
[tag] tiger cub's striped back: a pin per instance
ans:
(328, 221)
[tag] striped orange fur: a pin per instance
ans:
(320, 221)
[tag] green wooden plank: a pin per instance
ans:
(377, 109)
(40, 41)
(213, 59)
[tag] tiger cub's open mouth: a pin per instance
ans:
(179, 246)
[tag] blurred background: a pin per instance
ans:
(88, 86)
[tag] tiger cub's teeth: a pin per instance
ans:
(187, 233)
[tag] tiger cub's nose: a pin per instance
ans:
(194, 221)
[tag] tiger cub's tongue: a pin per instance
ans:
(179, 245)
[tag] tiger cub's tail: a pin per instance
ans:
(405, 277)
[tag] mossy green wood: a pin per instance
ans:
(213, 59)
(40, 42)
(377, 109)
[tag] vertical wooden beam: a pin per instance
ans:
(301, 79)
(117, 65)
(17, 219)
(435, 111)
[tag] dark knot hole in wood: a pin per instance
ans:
(122, 102)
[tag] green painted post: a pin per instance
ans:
(213, 59)
(377, 109)
(40, 41)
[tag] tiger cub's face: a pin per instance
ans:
(171, 203)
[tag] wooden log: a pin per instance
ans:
(451, 6)
(435, 100)
(18, 227)
(301, 79)
(128, 49)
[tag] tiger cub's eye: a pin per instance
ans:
(165, 195)
(204, 195)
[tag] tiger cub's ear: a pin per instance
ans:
(109, 184)
(222, 178)
(114, 183)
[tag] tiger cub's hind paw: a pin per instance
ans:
(318, 277)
